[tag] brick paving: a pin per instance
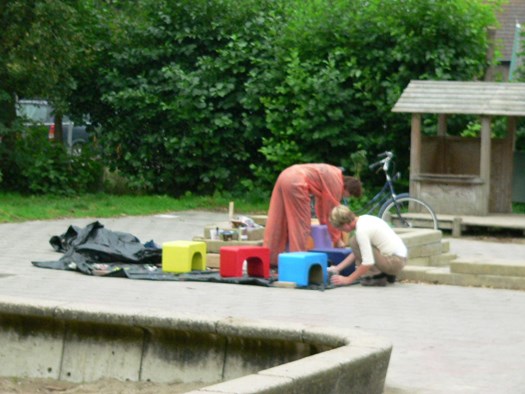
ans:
(447, 339)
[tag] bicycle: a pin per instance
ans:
(398, 210)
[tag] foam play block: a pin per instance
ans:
(336, 256)
(303, 268)
(183, 256)
(233, 257)
(321, 236)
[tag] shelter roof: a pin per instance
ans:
(463, 97)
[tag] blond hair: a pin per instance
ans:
(341, 215)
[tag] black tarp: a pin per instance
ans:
(93, 247)
(95, 250)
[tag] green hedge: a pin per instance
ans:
(36, 165)
(213, 95)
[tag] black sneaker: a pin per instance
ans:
(389, 278)
(373, 281)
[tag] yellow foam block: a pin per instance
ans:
(183, 256)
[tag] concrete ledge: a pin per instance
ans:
(458, 224)
(338, 370)
(442, 275)
(426, 247)
(426, 250)
(84, 343)
(416, 237)
(503, 268)
(434, 261)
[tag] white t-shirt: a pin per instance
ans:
(372, 231)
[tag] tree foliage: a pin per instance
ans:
(39, 45)
(208, 95)
(174, 102)
(38, 48)
(41, 166)
(346, 65)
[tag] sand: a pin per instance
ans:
(103, 386)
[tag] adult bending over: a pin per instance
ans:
(289, 216)
(378, 252)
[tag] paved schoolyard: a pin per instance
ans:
(446, 339)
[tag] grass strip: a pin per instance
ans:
(17, 208)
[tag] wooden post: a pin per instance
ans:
(456, 227)
(510, 146)
(511, 132)
(442, 152)
(415, 153)
(442, 125)
(484, 164)
(230, 210)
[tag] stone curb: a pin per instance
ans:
(443, 275)
(500, 268)
(345, 360)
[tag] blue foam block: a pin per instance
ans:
(335, 256)
(295, 267)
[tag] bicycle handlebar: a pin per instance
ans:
(375, 165)
(387, 156)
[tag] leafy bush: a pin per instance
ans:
(174, 87)
(204, 96)
(39, 166)
(344, 67)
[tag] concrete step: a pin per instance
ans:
(418, 237)
(498, 268)
(445, 276)
(439, 260)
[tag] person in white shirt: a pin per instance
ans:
(378, 252)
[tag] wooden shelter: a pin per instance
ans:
(463, 175)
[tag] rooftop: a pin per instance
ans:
(463, 97)
(513, 12)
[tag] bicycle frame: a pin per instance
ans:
(387, 191)
(387, 204)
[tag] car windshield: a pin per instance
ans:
(35, 111)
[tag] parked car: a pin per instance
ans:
(40, 112)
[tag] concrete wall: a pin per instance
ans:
(450, 171)
(39, 340)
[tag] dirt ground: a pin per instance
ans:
(104, 386)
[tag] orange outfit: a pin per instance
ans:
(289, 218)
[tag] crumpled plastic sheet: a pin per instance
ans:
(95, 250)
(86, 247)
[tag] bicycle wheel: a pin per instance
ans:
(406, 211)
